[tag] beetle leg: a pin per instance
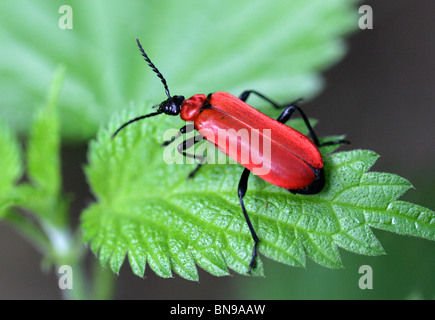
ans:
(243, 186)
(288, 112)
(186, 144)
(244, 96)
(185, 129)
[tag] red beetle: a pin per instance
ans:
(293, 163)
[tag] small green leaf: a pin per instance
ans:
(42, 194)
(44, 142)
(147, 210)
(10, 166)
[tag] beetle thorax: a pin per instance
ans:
(191, 107)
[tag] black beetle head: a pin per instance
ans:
(171, 106)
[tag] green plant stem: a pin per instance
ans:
(69, 250)
(104, 282)
(66, 250)
(79, 290)
(62, 248)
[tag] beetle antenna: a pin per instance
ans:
(153, 67)
(134, 120)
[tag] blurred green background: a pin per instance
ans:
(380, 95)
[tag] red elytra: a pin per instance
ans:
(292, 154)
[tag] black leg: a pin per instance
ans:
(185, 129)
(243, 186)
(244, 96)
(319, 181)
(186, 144)
(287, 114)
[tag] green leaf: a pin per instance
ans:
(43, 163)
(146, 209)
(42, 194)
(10, 166)
(277, 47)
